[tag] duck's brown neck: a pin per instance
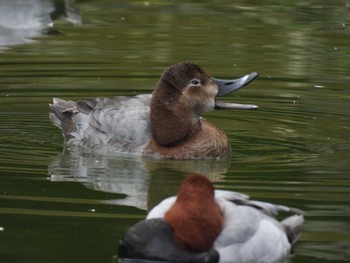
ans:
(171, 122)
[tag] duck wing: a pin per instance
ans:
(122, 123)
(265, 207)
(251, 232)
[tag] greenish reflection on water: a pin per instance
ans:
(66, 205)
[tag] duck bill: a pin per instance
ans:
(229, 86)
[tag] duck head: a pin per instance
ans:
(195, 217)
(184, 92)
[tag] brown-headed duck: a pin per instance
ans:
(165, 124)
(201, 224)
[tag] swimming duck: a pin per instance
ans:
(165, 124)
(201, 224)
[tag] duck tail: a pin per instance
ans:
(62, 116)
(293, 226)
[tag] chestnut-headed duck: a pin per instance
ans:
(165, 124)
(201, 224)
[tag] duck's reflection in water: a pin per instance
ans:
(144, 182)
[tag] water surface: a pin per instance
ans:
(71, 205)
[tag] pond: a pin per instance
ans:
(61, 204)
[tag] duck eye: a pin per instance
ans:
(195, 82)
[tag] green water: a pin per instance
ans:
(67, 205)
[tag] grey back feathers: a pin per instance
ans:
(119, 122)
